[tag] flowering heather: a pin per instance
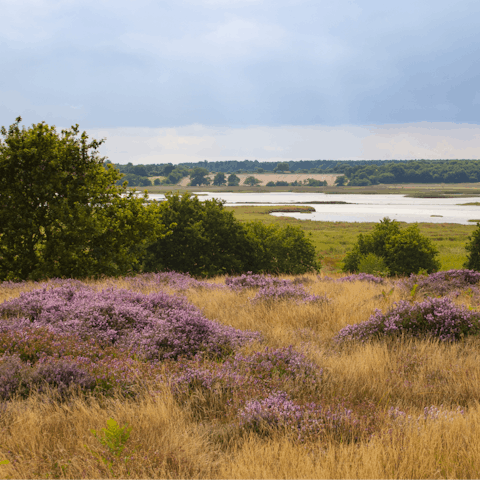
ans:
(278, 411)
(430, 414)
(434, 317)
(250, 280)
(277, 363)
(243, 377)
(102, 376)
(362, 277)
(442, 283)
(287, 292)
(13, 376)
(153, 326)
(174, 280)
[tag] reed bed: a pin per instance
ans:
(274, 392)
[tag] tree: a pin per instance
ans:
(403, 251)
(233, 180)
(199, 177)
(473, 249)
(219, 179)
(340, 181)
(252, 181)
(206, 239)
(409, 252)
(281, 167)
(279, 249)
(61, 214)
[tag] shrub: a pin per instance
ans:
(286, 292)
(154, 326)
(206, 241)
(404, 251)
(443, 283)
(251, 280)
(362, 277)
(280, 249)
(473, 249)
(373, 265)
(14, 376)
(434, 317)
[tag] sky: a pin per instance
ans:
(188, 80)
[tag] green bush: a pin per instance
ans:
(373, 264)
(404, 251)
(207, 240)
(280, 249)
(473, 249)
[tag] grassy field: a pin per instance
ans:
(334, 239)
(391, 408)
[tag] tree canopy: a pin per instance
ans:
(61, 212)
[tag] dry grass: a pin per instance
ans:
(46, 438)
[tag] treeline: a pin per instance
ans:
(414, 171)
(356, 172)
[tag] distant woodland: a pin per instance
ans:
(356, 172)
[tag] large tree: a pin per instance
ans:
(61, 213)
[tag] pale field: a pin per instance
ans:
(53, 440)
(274, 177)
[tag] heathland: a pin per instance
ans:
(165, 376)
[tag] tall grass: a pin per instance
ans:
(398, 407)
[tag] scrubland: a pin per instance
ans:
(248, 377)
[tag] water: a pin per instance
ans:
(360, 208)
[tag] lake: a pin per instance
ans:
(360, 208)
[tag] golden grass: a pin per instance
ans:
(47, 438)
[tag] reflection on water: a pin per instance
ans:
(360, 208)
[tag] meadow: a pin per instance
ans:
(166, 376)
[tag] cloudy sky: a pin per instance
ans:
(188, 80)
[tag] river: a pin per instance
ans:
(359, 208)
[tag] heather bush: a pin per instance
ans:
(255, 280)
(296, 293)
(20, 378)
(304, 421)
(242, 378)
(154, 326)
(442, 283)
(61, 374)
(174, 280)
(362, 277)
(14, 376)
(434, 317)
